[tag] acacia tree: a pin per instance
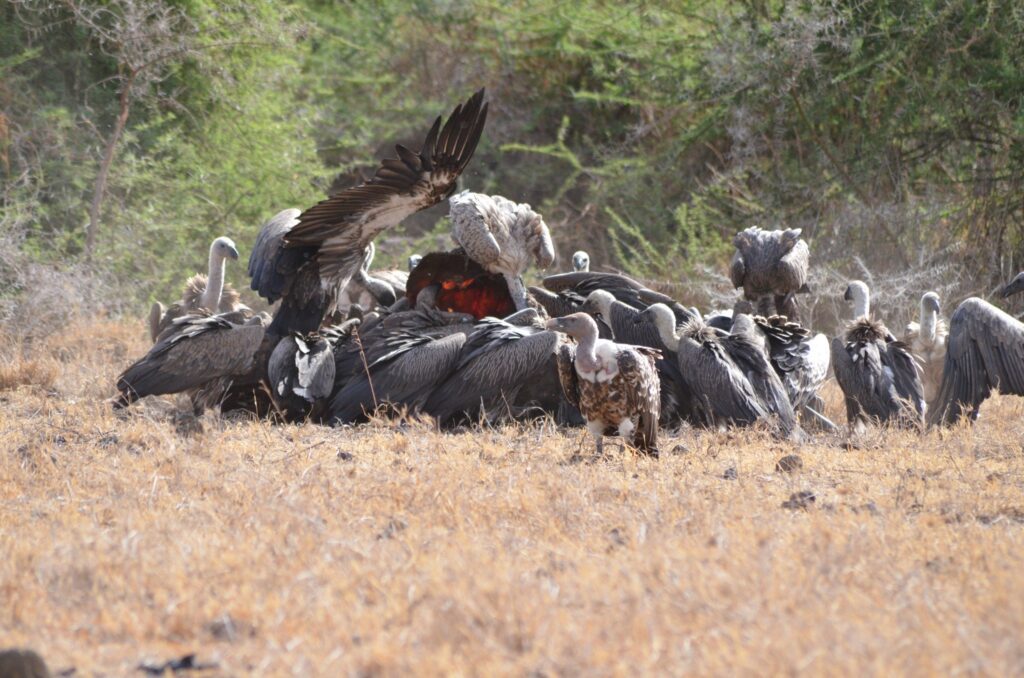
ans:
(146, 39)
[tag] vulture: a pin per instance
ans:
(800, 360)
(729, 374)
(630, 326)
(580, 284)
(382, 288)
(208, 292)
(580, 261)
(205, 355)
(771, 265)
(504, 371)
(300, 372)
(502, 236)
(1014, 286)
(984, 351)
(414, 261)
(877, 373)
(927, 341)
(614, 386)
(306, 259)
(395, 361)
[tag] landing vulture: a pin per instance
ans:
(307, 258)
(771, 265)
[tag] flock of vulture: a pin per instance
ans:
(461, 338)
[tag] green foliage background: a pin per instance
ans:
(648, 133)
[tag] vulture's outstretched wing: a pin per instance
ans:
(984, 351)
(342, 226)
(267, 257)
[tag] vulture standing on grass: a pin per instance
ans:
(729, 373)
(208, 292)
(502, 236)
(307, 259)
(630, 326)
(878, 375)
(771, 265)
(615, 386)
(984, 351)
(203, 354)
(927, 341)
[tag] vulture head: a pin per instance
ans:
(1013, 287)
(857, 293)
(580, 261)
(790, 237)
(579, 326)
(930, 303)
(223, 248)
(414, 261)
(599, 302)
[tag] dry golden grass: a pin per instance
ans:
(300, 550)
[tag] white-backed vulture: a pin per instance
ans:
(629, 326)
(502, 236)
(614, 386)
(580, 261)
(771, 265)
(208, 292)
(878, 375)
(728, 373)
(301, 374)
(984, 351)
(307, 259)
(203, 353)
(504, 371)
(927, 341)
(623, 288)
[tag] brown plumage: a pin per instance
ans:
(614, 386)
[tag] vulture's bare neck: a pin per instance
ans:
(929, 324)
(861, 307)
(586, 351)
(214, 282)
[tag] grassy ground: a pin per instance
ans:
(300, 550)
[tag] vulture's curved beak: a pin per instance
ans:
(233, 252)
(554, 324)
(1015, 286)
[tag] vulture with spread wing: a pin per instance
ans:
(984, 351)
(306, 259)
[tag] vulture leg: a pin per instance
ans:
(596, 429)
(517, 290)
(785, 304)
